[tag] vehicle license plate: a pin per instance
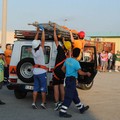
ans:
(28, 87)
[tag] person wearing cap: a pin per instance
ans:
(79, 43)
(2, 64)
(58, 74)
(39, 71)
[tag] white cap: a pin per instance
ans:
(35, 43)
(1, 51)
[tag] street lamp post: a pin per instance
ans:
(65, 20)
(4, 24)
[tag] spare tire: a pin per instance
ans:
(85, 86)
(25, 70)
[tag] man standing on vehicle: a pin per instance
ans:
(58, 74)
(39, 71)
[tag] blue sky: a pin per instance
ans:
(92, 16)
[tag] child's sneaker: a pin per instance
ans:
(65, 115)
(57, 106)
(84, 108)
(1, 103)
(34, 106)
(116, 71)
(43, 106)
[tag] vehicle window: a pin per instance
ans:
(26, 52)
(47, 54)
(88, 54)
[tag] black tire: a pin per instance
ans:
(25, 70)
(20, 94)
(50, 95)
(85, 86)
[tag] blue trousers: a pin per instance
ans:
(71, 93)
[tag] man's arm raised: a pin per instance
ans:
(55, 36)
(71, 36)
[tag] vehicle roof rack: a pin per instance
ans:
(30, 34)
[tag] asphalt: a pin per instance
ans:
(103, 99)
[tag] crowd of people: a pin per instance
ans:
(108, 61)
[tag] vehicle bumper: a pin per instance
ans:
(25, 87)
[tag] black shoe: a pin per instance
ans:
(83, 109)
(65, 115)
(1, 103)
(58, 106)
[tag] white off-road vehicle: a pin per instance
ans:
(21, 65)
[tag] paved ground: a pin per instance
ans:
(103, 99)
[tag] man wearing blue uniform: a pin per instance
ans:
(72, 67)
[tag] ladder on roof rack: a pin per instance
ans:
(49, 26)
(29, 34)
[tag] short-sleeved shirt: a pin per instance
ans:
(110, 56)
(72, 67)
(117, 57)
(104, 56)
(38, 59)
(1, 70)
(8, 54)
(78, 44)
(59, 58)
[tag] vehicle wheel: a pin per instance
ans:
(20, 94)
(25, 70)
(50, 94)
(85, 86)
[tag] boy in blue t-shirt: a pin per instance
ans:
(72, 68)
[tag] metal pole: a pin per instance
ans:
(65, 20)
(4, 24)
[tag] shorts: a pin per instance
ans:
(40, 83)
(57, 82)
(117, 63)
(104, 63)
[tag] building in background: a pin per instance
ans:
(105, 42)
